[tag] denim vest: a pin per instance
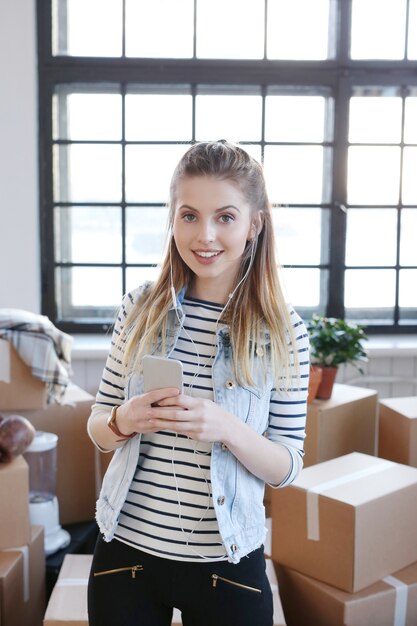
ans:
(237, 493)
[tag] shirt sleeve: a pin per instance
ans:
(288, 407)
(111, 390)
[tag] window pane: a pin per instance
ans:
(375, 119)
(160, 28)
(87, 173)
(146, 229)
(410, 126)
(230, 30)
(378, 29)
(412, 30)
(298, 235)
(298, 29)
(88, 235)
(94, 290)
(87, 116)
(75, 20)
(149, 171)
(410, 176)
(294, 174)
(149, 117)
(408, 238)
(408, 291)
(370, 289)
(302, 286)
(294, 118)
(371, 237)
(136, 276)
(232, 117)
(373, 175)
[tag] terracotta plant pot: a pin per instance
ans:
(327, 381)
(314, 382)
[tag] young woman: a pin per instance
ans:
(181, 509)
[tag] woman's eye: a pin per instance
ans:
(226, 219)
(188, 217)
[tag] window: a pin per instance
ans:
(126, 85)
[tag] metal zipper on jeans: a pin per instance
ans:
(216, 577)
(132, 568)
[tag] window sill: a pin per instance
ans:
(95, 347)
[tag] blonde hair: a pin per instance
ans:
(258, 304)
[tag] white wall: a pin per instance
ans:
(19, 221)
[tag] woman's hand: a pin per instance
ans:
(204, 420)
(134, 415)
(198, 418)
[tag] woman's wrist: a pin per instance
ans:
(112, 424)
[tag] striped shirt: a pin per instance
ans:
(169, 510)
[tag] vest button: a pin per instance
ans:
(234, 548)
(224, 447)
(230, 384)
(221, 500)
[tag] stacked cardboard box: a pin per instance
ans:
(345, 423)
(390, 602)
(80, 465)
(11, 589)
(14, 499)
(18, 389)
(398, 430)
(68, 603)
(349, 523)
(22, 555)
(22, 582)
(78, 461)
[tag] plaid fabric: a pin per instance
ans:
(44, 348)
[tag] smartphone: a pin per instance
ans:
(160, 372)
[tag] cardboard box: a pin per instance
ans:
(67, 605)
(389, 602)
(35, 605)
(68, 602)
(76, 456)
(398, 430)
(345, 423)
(348, 522)
(14, 503)
(33, 577)
(11, 589)
(18, 389)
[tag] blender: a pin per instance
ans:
(41, 457)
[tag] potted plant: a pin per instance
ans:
(334, 341)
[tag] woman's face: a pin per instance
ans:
(212, 224)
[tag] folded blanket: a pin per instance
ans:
(42, 346)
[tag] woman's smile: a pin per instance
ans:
(206, 257)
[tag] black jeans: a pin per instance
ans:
(206, 593)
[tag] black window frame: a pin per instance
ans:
(339, 74)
